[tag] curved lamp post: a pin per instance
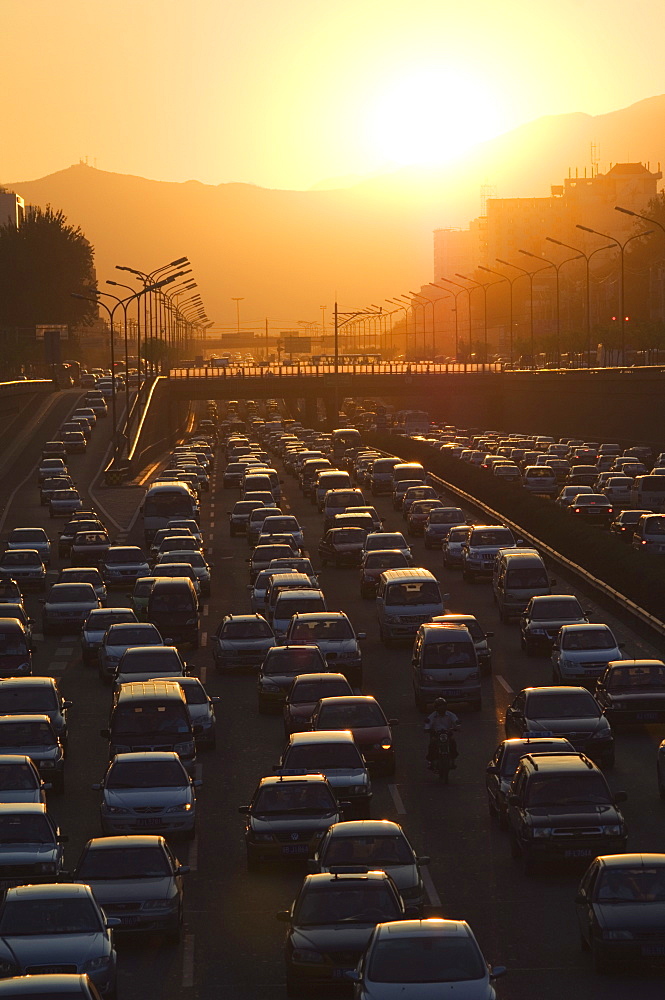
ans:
(530, 275)
(587, 258)
(557, 268)
(484, 285)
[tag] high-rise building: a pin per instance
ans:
(12, 209)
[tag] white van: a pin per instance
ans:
(445, 665)
(540, 479)
(519, 575)
(648, 493)
(405, 599)
(381, 475)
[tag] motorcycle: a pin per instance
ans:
(443, 759)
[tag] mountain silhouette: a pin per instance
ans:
(290, 252)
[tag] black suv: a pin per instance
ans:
(560, 807)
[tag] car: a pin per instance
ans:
(335, 754)
(413, 493)
(83, 574)
(50, 467)
(72, 528)
(66, 985)
(276, 524)
(88, 548)
(165, 569)
(342, 546)
(194, 559)
(373, 844)
(632, 692)
(373, 564)
(280, 665)
(34, 736)
(49, 487)
(30, 844)
(453, 544)
(305, 691)
(176, 540)
(42, 926)
(618, 489)
(423, 959)
(18, 610)
(137, 880)
(333, 633)
(20, 780)
(287, 817)
(31, 538)
(36, 696)
(570, 712)
(580, 653)
(201, 708)
(148, 791)
(592, 508)
(500, 771)
(74, 442)
(560, 808)
(619, 903)
(25, 566)
(418, 515)
(300, 564)
(123, 564)
(121, 636)
(365, 719)
(543, 618)
(67, 606)
(239, 515)
(568, 493)
(481, 547)
(478, 634)
(241, 641)
(95, 626)
(54, 449)
(146, 663)
(330, 923)
(64, 503)
(624, 524)
(139, 596)
(187, 525)
(399, 490)
(387, 540)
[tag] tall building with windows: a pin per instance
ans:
(12, 209)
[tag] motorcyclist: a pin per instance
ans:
(441, 720)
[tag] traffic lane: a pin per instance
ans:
(465, 830)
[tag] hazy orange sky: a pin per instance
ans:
(288, 93)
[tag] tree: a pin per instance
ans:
(41, 263)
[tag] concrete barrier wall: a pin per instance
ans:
(17, 401)
(163, 422)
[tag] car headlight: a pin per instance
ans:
(613, 830)
(116, 810)
(304, 957)
(95, 964)
(617, 935)
(186, 748)
(181, 807)
(542, 831)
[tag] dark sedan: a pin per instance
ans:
(632, 691)
(623, 526)
(592, 508)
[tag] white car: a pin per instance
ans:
(31, 538)
(580, 653)
(149, 790)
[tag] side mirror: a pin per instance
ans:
(183, 870)
(197, 782)
(113, 921)
(496, 971)
(63, 838)
(580, 897)
(361, 635)
(245, 810)
(97, 787)
(489, 635)
(284, 916)
(424, 860)
(393, 722)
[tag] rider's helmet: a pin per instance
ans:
(440, 705)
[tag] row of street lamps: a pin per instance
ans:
(162, 314)
(408, 303)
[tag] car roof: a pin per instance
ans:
(555, 689)
(320, 678)
(130, 840)
(560, 762)
(322, 736)
(35, 682)
(430, 927)
(24, 808)
(366, 828)
(25, 717)
(293, 779)
(322, 879)
(585, 627)
(318, 616)
(47, 984)
(353, 699)
(53, 890)
(143, 756)
(631, 860)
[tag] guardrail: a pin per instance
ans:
(285, 370)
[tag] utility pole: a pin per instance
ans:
(267, 345)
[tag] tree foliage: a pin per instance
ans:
(41, 264)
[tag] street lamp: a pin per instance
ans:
(439, 298)
(636, 215)
(530, 275)
(89, 298)
(484, 285)
(587, 258)
(557, 268)
(622, 247)
(463, 288)
(397, 302)
(511, 282)
(238, 300)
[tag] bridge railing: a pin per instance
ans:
(300, 370)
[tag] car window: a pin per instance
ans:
(426, 960)
(568, 789)
(367, 903)
(123, 862)
(324, 755)
(588, 639)
(571, 705)
(147, 774)
(17, 828)
(34, 917)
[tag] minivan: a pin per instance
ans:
(649, 535)
(151, 715)
(519, 575)
(15, 649)
(444, 664)
(408, 470)
(381, 475)
(330, 479)
(405, 599)
(648, 492)
(173, 608)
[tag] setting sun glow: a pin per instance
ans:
(433, 115)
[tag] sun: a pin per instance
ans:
(432, 115)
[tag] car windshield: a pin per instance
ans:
(499, 537)
(553, 610)
(513, 753)
(372, 851)
(17, 776)
(49, 917)
(327, 630)
(385, 560)
(300, 565)
(386, 540)
(426, 959)
(147, 774)
(17, 828)
(655, 526)
(639, 884)
(119, 556)
(292, 661)
(324, 756)
(138, 720)
(294, 797)
(33, 734)
(568, 705)
(18, 557)
(264, 553)
(457, 536)
(630, 678)
(568, 789)
(26, 535)
(123, 862)
(12, 643)
(448, 654)
(27, 700)
(287, 607)
(306, 692)
(347, 536)
(474, 628)
(350, 716)
(169, 603)
(348, 902)
(257, 628)
(588, 639)
(142, 635)
(412, 593)
(527, 579)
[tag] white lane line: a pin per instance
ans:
(188, 962)
(227, 557)
(397, 800)
(193, 855)
(204, 639)
(206, 608)
(211, 537)
(504, 684)
(432, 895)
(203, 673)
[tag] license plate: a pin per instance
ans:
(647, 716)
(295, 849)
(454, 693)
(149, 821)
(129, 921)
(582, 852)
(341, 973)
(652, 949)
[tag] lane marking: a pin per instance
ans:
(206, 608)
(204, 639)
(432, 895)
(188, 962)
(62, 654)
(504, 684)
(203, 673)
(193, 855)
(397, 800)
